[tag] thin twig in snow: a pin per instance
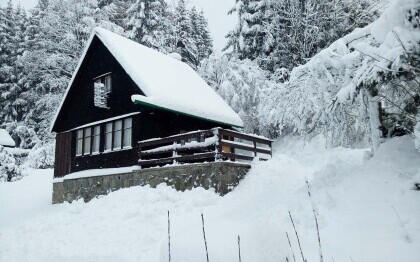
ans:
(290, 245)
(239, 248)
(316, 222)
(169, 237)
(297, 236)
(204, 236)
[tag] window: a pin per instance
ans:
(117, 134)
(127, 133)
(87, 140)
(102, 88)
(107, 82)
(79, 142)
(96, 139)
(108, 137)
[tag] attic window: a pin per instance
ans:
(102, 89)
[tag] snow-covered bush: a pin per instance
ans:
(41, 157)
(24, 136)
(9, 166)
(242, 84)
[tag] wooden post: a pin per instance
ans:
(218, 145)
(174, 153)
(139, 152)
(255, 149)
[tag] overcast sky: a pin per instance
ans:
(215, 10)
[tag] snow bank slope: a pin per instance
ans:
(367, 212)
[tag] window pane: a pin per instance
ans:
(88, 132)
(86, 149)
(127, 123)
(127, 137)
(108, 83)
(96, 139)
(108, 128)
(108, 141)
(87, 146)
(118, 125)
(117, 139)
(80, 133)
(97, 130)
(117, 134)
(79, 145)
(95, 146)
(108, 137)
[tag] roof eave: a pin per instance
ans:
(139, 102)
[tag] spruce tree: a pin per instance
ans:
(7, 68)
(185, 44)
(235, 37)
(144, 23)
(204, 41)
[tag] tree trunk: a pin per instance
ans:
(376, 133)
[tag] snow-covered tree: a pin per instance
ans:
(41, 157)
(58, 33)
(145, 23)
(9, 166)
(286, 33)
(13, 98)
(241, 83)
(363, 86)
(184, 41)
(201, 35)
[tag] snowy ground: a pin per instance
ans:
(367, 212)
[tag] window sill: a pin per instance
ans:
(117, 150)
(106, 152)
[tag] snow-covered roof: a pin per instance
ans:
(167, 83)
(6, 139)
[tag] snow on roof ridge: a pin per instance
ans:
(180, 88)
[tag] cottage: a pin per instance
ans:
(5, 139)
(129, 107)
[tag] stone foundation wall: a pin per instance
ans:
(222, 176)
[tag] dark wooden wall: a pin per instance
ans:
(63, 154)
(146, 125)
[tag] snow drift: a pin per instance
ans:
(367, 211)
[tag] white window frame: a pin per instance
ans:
(115, 131)
(127, 131)
(110, 133)
(96, 139)
(101, 99)
(87, 141)
(79, 147)
(105, 79)
(122, 132)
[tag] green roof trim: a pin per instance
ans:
(139, 102)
